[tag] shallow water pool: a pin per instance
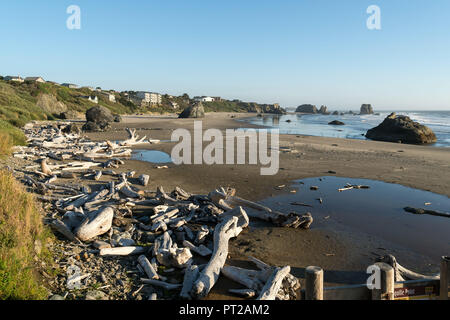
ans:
(376, 211)
(153, 156)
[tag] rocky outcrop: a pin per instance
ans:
(324, 110)
(336, 113)
(336, 123)
(194, 111)
(96, 127)
(366, 109)
(50, 104)
(253, 107)
(397, 128)
(272, 108)
(98, 119)
(99, 114)
(71, 128)
(307, 108)
(70, 114)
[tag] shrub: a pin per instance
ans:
(20, 228)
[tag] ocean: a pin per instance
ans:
(355, 126)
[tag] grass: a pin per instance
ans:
(10, 135)
(20, 227)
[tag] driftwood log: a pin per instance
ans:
(226, 199)
(95, 224)
(425, 211)
(402, 274)
(231, 227)
(274, 283)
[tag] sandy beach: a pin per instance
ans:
(343, 251)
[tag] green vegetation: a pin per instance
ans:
(21, 232)
(10, 136)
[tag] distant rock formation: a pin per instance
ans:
(336, 123)
(196, 110)
(71, 114)
(336, 113)
(273, 108)
(401, 129)
(307, 108)
(50, 104)
(265, 108)
(366, 109)
(324, 110)
(98, 119)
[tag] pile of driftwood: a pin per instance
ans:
(57, 143)
(179, 227)
(170, 218)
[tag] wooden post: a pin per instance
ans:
(445, 277)
(314, 283)
(386, 290)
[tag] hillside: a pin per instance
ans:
(23, 102)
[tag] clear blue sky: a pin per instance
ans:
(291, 52)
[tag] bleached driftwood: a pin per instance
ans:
(273, 284)
(226, 199)
(162, 284)
(190, 275)
(95, 224)
(402, 274)
(133, 139)
(121, 251)
(45, 168)
(148, 268)
(144, 179)
(251, 279)
(256, 280)
(98, 175)
(350, 187)
(229, 228)
(130, 193)
(64, 230)
(245, 293)
(174, 257)
(200, 250)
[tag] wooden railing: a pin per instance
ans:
(388, 289)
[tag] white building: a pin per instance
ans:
(70, 85)
(204, 99)
(149, 97)
(13, 78)
(93, 99)
(107, 95)
(35, 79)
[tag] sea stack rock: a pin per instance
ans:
(366, 109)
(336, 123)
(194, 111)
(307, 108)
(98, 119)
(273, 108)
(397, 128)
(324, 110)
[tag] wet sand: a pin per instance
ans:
(343, 250)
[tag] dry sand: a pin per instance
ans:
(344, 253)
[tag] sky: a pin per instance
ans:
(288, 52)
